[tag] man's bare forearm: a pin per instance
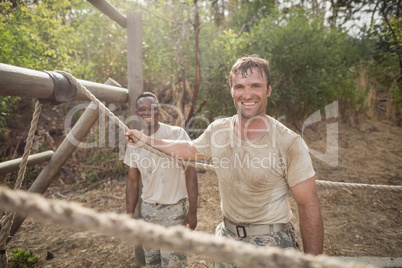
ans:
(312, 230)
(132, 190)
(192, 192)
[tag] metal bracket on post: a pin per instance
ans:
(64, 91)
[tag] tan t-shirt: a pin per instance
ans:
(255, 176)
(163, 181)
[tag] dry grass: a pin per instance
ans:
(357, 222)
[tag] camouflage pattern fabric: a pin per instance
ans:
(166, 215)
(286, 238)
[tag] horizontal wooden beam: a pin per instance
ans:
(13, 165)
(23, 82)
(109, 10)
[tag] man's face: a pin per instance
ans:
(250, 94)
(147, 110)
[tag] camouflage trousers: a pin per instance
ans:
(165, 215)
(286, 238)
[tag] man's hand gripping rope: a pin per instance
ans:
(135, 137)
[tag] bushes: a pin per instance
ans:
(311, 64)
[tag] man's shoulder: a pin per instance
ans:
(170, 127)
(223, 121)
(283, 135)
(281, 129)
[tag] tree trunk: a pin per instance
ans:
(196, 26)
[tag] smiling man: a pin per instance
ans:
(258, 161)
(166, 186)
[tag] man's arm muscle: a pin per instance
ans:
(132, 189)
(311, 225)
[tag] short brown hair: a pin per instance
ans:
(247, 63)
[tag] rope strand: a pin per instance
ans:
(8, 219)
(176, 238)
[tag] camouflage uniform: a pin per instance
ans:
(165, 215)
(286, 238)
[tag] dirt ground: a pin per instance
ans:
(358, 222)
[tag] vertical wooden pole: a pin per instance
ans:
(135, 88)
(134, 63)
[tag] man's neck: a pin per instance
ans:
(251, 128)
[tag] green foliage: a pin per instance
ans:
(242, 15)
(34, 36)
(388, 54)
(311, 65)
(216, 63)
(7, 103)
(103, 46)
(385, 71)
(168, 43)
(40, 36)
(60, 35)
(63, 35)
(23, 259)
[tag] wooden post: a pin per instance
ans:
(60, 157)
(135, 88)
(134, 63)
(12, 165)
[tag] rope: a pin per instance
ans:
(176, 238)
(119, 123)
(7, 221)
(199, 165)
(393, 188)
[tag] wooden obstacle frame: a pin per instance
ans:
(47, 86)
(17, 81)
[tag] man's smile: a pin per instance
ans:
(148, 119)
(249, 103)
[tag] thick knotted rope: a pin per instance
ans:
(199, 165)
(7, 220)
(151, 235)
